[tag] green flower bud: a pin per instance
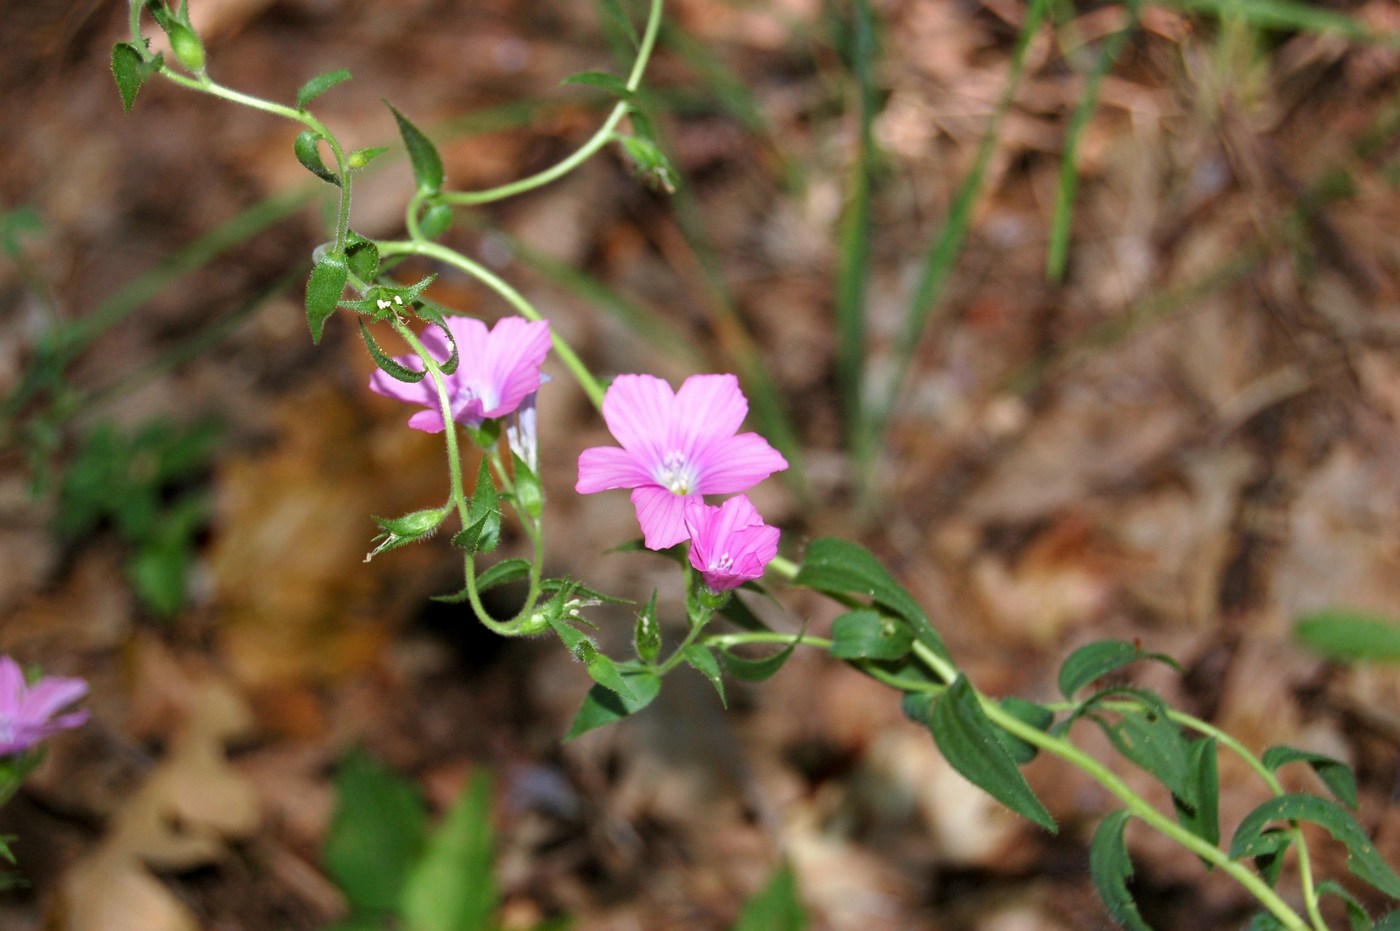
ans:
(410, 528)
(187, 47)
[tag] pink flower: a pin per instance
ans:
(675, 448)
(730, 544)
(27, 711)
(498, 370)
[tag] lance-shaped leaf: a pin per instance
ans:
(503, 572)
(973, 745)
(422, 154)
(1362, 858)
(604, 706)
(1111, 869)
(386, 361)
(308, 152)
(323, 290)
(131, 69)
(755, 669)
(483, 530)
(866, 634)
(319, 85)
(1335, 774)
(699, 658)
(646, 638)
(1199, 809)
(452, 886)
(1100, 658)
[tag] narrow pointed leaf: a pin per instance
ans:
(483, 530)
(703, 661)
(973, 745)
(452, 887)
(1363, 860)
(130, 70)
(323, 290)
(319, 85)
(385, 361)
(308, 152)
(646, 638)
(1199, 809)
(1097, 659)
(604, 706)
(1111, 869)
(422, 154)
(751, 669)
(376, 833)
(1335, 774)
(775, 907)
(603, 80)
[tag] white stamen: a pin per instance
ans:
(676, 475)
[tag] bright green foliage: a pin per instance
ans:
(131, 69)
(319, 85)
(1111, 869)
(1350, 635)
(377, 833)
(603, 80)
(604, 706)
(700, 659)
(974, 746)
(1099, 659)
(1362, 859)
(136, 483)
(323, 291)
(646, 638)
(775, 907)
(750, 669)
(1335, 774)
(1198, 809)
(308, 152)
(422, 154)
(865, 634)
(483, 531)
(452, 886)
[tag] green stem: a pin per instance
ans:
(451, 257)
(602, 137)
(733, 640)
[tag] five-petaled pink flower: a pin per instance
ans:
(27, 711)
(498, 370)
(730, 544)
(676, 447)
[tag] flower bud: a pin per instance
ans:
(187, 47)
(410, 528)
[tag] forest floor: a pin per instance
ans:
(1190, 439)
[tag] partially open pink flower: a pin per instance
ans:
(497, 371)
(730, 544)
(27, 711)
(676, 447)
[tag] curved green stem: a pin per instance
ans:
(451, 257)
(602, 137)
(734, 640)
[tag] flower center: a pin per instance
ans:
(676, 475)
(724, 563)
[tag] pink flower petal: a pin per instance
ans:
(429, 421)
(638, 410)
(606, 467)
(52, 693)
(707, 407)
(420, 392)
(737, 463)
(11, 687)
(516, 349)
(661, 515)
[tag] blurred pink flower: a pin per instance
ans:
(676, 447)
(27, 711)
(498, 370)
(730, 544)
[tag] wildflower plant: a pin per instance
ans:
(687, 465)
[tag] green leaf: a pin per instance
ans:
(840, 567)
(865, 634)
(507, 570)
(528, 495)
(650, 162)
(699, 658)
(375, 835)
(1037, 716)
(483, 530)
(1389, 922)
(386, 362)
(775, 907)
(1150, 739)
(435, 221)
(160, 573)
(308, 152)
(646, 638)
(603, 80)
(130, 70)
(1362, 859)
(1265, 921)
(435, 318)
(362, 257)
(1356, 912)
(319, 85)
(422, 154)
(750, 669)
(613, 11)
(451, 888)
(1335, 774)
(1350, 636)
(741, 614)
(1199, 809)
(602, 670)
(1097, 659)
(1268, 853)
(323, 290)
(973, 745)
(1111, 868)
(604, 706)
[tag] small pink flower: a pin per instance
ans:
(27, 711)
(497, 371)
(730, 544)
(676, 447)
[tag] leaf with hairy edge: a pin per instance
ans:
(1335, 774)
(603, 706)
(319, 85)
(972, 744)
(1199, 809)
(503, 572)
(700, 659)
(362, 255)
(131, 70)
(1037, 716)
(1356, 912)
(1362, 859)
(646, 638)
(1268, 853)
(386, 362)
(453, 886)
(749, 669)
(1150, 740)
(434, 317)
(323, 290)
(483, 530)
(1111, 868)
(308, 152)
(865, 634)
(422, 154)
(1090, 662)
(841, 567)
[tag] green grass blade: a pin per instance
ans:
(1063, 216)
(1285, 15)
(853, 269)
